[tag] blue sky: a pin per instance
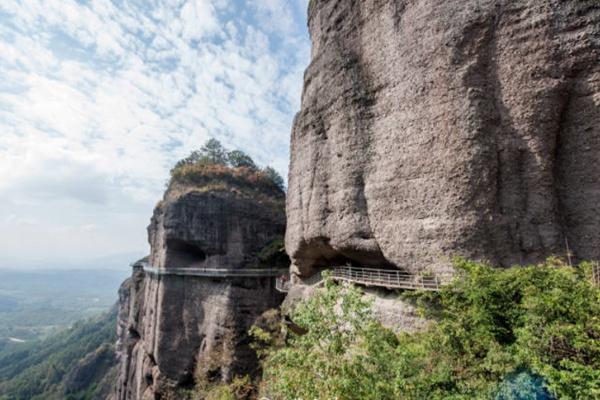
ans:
(99, 98)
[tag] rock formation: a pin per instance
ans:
(434, 128)
(175, 330)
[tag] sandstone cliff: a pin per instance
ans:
(176, 330)
(436, 128)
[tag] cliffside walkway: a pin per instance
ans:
(210, 272)
(390, 279)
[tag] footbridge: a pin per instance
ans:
(390, 279)
(210, 272)
(386, 278)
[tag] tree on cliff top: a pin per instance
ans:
(274, 176)
(238, 159)
(214, 160)
(214, 152)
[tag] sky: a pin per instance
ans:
(99, 98)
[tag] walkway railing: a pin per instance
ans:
(596, 274)
(391, 279)
(211, 272)
(386, 278)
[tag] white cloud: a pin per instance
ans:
(197, 19)
(98, 100)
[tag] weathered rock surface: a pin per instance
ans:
(436, 128)
(176, 330)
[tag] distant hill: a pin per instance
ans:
(75, 364)
(34, 304)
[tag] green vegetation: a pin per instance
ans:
(239, 388)
(215, 163)
(273, 255)
(76, 364)
(519, 333)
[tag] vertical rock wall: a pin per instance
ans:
(434, 128)
(177, 330)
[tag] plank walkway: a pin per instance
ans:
(210, 272)
(390, 279)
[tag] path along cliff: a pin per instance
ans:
(428, 129)
(176, 330)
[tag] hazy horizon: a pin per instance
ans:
(111, 262)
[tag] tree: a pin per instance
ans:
(193, 158)
(517, 333)
(214, 152)
(238, 158)
(274, 177)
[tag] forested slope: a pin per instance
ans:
(75, 364)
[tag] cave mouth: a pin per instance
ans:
(320, 256)
(182, 254)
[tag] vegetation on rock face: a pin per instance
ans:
(520, 333)
(215, 163)
(273, 255)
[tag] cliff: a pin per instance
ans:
(431, 128)
(177, 330)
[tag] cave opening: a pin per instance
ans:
(325, 257)
(182, 254)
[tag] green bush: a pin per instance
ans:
(498, 334)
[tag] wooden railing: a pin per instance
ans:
(596, 274)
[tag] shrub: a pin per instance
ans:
(499, 334)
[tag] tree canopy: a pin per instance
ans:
(213, 153)
(238, 159)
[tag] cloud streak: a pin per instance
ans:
(100, 98)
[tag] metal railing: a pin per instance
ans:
(372, 277)
(212, 272)
(386, 278)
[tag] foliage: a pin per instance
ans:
(214, 152)
(273, 255)
(523, 385)
(214, 163)
(239, 159)
(39, 370)
(207, 175)
(343, 355)
(240, 388)
(274, 177)
(499, 334)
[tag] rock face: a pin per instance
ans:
(434, 128)
(176, 330)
